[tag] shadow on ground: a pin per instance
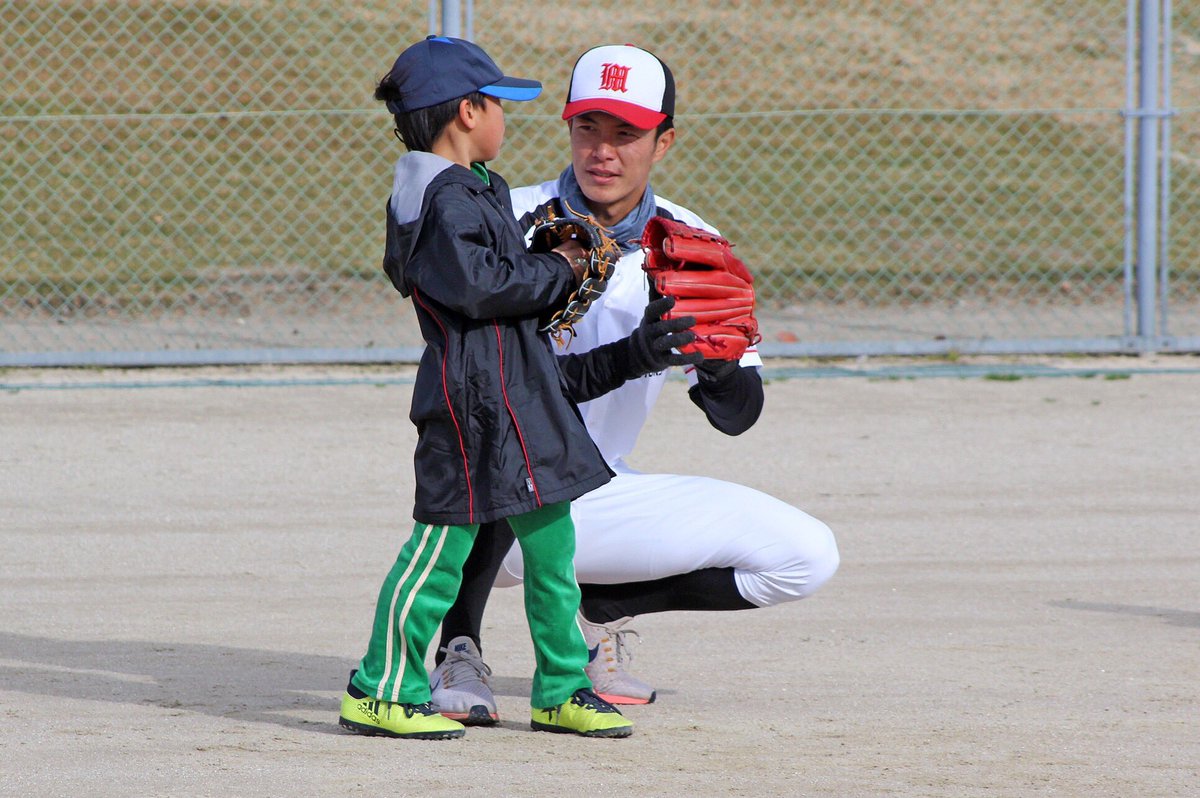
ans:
(1171, 616)
(245, 684)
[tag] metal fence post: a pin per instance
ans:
(451, 19)
(1147, 173)
(1164, 256)
(1131, 119)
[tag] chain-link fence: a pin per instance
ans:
(205, 181)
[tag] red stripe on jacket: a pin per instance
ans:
(446, 392)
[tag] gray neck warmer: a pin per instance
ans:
(628, 231)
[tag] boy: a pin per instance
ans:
(499, 435)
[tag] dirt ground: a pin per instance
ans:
(189, 560)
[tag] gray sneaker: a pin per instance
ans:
(460, 685)
(608, 654)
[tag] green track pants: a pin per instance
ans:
(424, 582)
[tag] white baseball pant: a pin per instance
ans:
(648, 526)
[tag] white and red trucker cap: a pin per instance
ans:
(625, 81)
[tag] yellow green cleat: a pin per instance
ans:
(373, 717)
(585, 714)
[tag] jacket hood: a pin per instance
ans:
(413, 176)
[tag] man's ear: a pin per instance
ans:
(663, 143)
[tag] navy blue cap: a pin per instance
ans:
(438, 69)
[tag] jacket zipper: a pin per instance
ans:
(520, 435)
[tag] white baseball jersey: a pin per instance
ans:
(616, 419)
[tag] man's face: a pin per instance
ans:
(612, 161)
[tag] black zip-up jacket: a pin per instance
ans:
(498, 432)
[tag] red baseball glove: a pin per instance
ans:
(708, 282)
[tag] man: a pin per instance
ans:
(644, 542)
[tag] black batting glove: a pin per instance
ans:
(651, 344)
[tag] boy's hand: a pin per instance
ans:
(576, 256)
(592, 253)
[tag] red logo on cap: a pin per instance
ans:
(613, 77)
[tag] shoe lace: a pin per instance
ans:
(418, 709)
(376, 708)
(589, 700)
(463, 666)
(622, 648)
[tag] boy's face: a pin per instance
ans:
(612, 161)
(491, 129)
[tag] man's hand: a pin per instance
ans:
(651, 344)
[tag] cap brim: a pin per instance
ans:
(635, 115)
(517, 89)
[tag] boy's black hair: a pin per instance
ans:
(420, 128)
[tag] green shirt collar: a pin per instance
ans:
(482, 171)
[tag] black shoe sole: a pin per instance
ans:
(375, 731)
(479, 716)
(621, 731)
